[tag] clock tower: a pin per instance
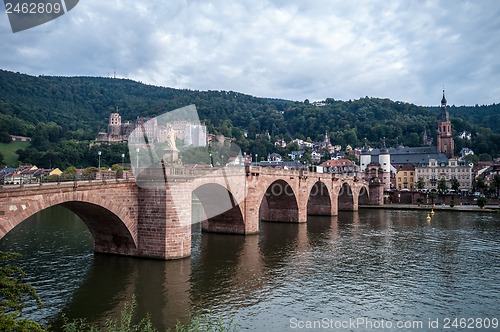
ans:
(445, 143)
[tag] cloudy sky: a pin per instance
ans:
(399, 49)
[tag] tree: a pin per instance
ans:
(471, 158)
(455, 184)
(485, 157)
(116, 167)
(292, 146)
(1, 159)
(5, 137)
(496, 184)
(432, 196)
(13, 294)
(481, 201)
(420, 183)
(70, 171)
(478, 184)
(442, 186)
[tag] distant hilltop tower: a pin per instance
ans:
(115, 123)
(445, 143)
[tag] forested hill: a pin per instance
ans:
(78, 107)
(482, 115)
(86, 102)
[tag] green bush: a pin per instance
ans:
(13, 295)
(481, 202)
(204, 323)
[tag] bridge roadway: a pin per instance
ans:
(151, 216)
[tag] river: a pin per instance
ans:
(358, 270)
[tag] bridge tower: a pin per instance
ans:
(385, 163)
(375, 175)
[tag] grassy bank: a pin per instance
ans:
(9, 151)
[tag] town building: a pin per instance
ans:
(16, 138)
(296, 155)
(274, 157)
(191, 134)
(435, 170)
(394, 160)
(490, 177)
(25, 174)
(340, 166)
(281, 143)
(405, 177)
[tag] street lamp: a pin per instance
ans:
(99, 154)
(256, 159)
(123, 161)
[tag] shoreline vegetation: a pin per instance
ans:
(202, 322)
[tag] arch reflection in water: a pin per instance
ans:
(383, 264)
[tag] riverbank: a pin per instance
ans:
(428, 207)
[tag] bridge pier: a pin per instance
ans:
(164, 221)
(376, 189)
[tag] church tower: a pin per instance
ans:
(445, 142)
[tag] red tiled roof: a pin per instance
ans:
(338, 162)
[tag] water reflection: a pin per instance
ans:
(376, 264)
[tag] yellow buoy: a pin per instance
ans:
(432, 212)
(428, 217)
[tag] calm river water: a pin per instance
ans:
(374, 268)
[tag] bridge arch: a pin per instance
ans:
(320, 201)
(112, 228)
(346, 198)
(279, 202)
(221, 211)
(363, 195)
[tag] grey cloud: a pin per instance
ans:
(403, 50)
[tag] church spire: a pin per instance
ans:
(445, 143)
(445, 116)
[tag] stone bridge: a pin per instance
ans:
(150, 218)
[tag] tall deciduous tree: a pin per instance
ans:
(442, 186)
(496, 183)
(420, 183)
(455, 184)
(5, 137)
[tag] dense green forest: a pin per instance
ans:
(64, 114)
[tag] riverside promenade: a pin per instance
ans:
(428, 207)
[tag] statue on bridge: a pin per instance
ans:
(171, 138)
(171, 153)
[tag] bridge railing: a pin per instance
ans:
(300, 170)
(105, 177)
(157, 174)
